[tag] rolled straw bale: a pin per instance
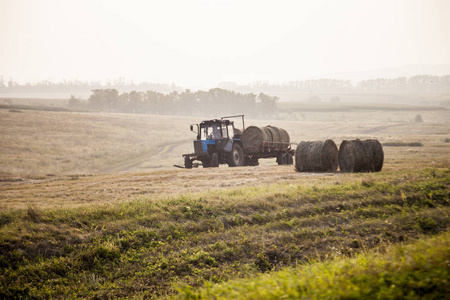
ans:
(376, 154)
(316, 156)
(361, 156)
(284, 136)
(353, 157)
(285, 139)
(347, 157)
(268, 134)
(276, 137)
(253, 137)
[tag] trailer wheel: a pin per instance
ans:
(289, 159)
(187, 163)
(282, 159)
(236, 157)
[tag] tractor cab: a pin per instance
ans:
(212, 135)
(213, 144)
(216, 130)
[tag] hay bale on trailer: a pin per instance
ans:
(361, 156)
(269, 134)
(285, 139)
(272, 137)
(316, 156)
(253, 137)
(276, 137)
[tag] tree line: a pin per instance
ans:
(424, 84)
(79, 86)
(215, 102)
(420, 84)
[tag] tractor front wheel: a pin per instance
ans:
(187, 163)
(214, 163)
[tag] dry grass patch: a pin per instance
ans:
(36, 143)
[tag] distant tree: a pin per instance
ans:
(152, 101)
(104, 100)
(136, 100)
(74, 102)
(267, 104)
(187, 102)
(418, 119)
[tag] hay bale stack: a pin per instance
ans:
(276, 138)
(361, 156)
(253, 136)
(316, 156)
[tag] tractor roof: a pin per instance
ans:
(215, 121)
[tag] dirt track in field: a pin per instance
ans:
(135, 163)
(381, 128)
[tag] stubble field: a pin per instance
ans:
(91, 205)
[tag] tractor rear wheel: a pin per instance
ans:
(236, 157)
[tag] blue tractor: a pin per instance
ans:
(218, 142)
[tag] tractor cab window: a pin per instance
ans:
(230, 131)
(224, 131)
(212, 132)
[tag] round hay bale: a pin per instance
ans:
(316, 156)
(330, 156)
(253, 137)
(347, 157)
(376, 154)
(360, 156)
(268, 134)
(285, 139)
(276, 137)
(362, 162)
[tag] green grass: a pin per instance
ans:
(402, 144)
(416, 271)
(147, 247)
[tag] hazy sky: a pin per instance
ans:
(201, 43)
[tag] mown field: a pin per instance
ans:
(37, 142)
(91, 207)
